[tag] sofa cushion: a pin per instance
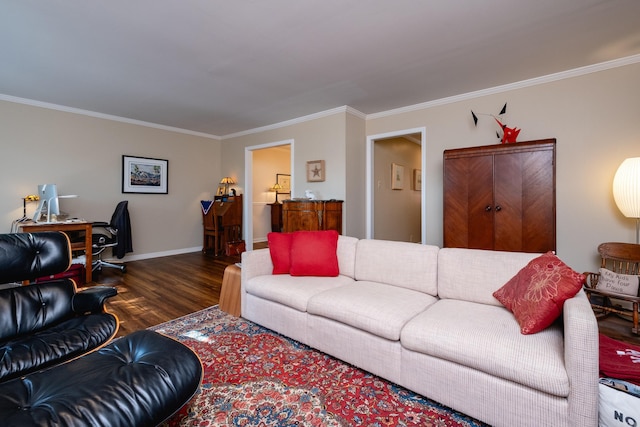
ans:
(292, 291)
(314, 253)
(487, 338)
(370, 306)
(536, 294)
(403, 264)
(475, 274)
(280, 251)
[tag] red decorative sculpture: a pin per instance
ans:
(509, 135)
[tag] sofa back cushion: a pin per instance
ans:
(408, 265)
(475, 274)
(26, 309)
(347, 255)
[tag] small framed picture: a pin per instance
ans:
(417, 179)
(284, 180)
(397, 176)
(220, 191)
(144, 175)
(315, 171)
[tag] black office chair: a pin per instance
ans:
(115, 234)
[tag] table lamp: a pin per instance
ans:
(276, 187)
(226, 181)
(626, 190)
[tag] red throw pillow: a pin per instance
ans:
(313, 253)
(536, 294)
(280, 250)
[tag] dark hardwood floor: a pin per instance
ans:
(160, 289)
(156, 290)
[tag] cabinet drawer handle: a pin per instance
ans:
(498, 208)
(488, 208)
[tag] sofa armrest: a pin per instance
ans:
(581, 352)
(92, 299)
(256, 263)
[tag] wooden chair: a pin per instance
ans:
(622, 258)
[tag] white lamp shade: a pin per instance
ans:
(626, 187)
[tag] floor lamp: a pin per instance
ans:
(626, 190)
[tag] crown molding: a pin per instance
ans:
(314, 116)
(576, 72)
(82, 112)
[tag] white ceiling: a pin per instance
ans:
(222, 67)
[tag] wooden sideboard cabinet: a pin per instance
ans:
(501, 197)
(311, 215)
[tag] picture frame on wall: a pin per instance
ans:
(397, 176)
(284, 180)
(145, 175)
(315, 171)
(417, 179)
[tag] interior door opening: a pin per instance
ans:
(395, 190)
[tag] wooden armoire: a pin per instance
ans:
(501, 197)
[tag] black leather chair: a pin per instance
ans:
(137, 380)
(50, 322)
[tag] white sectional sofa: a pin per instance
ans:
(425, 318)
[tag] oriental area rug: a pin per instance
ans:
(256, 377)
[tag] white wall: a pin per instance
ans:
(83, 155)
(596, 120)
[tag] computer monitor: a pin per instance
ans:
(49, 204)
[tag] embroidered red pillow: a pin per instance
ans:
(280, 250)
(536, 294)
(313, 253)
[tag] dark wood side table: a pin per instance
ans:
(276, 217)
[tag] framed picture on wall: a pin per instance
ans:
(284, 180)
(315, 171)
(417, 179)
(144, 175)
(397, 176)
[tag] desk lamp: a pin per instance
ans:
(626, 190)
(226, 181)
(25, 199)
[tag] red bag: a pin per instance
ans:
(235, 248)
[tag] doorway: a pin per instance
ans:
(262, 164)
(396, 205)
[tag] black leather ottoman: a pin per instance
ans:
(137, 380)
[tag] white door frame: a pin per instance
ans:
(369, 180)
(247, 231)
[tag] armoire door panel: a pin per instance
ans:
(481, 211)
(539, 214)
(508, 201)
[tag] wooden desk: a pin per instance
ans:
(222, 224)
(35, 227)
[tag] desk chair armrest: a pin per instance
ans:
(100, 224)
(92, 299)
